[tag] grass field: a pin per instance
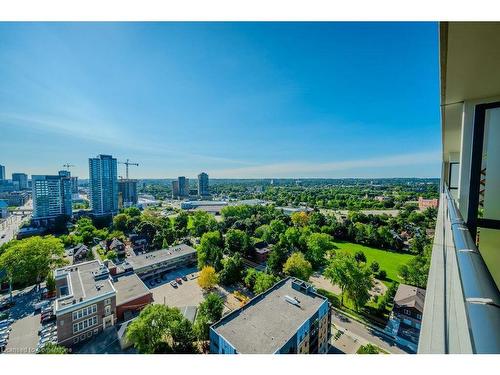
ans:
(388, 260)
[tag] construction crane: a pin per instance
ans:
(68, 166)
(127, 163)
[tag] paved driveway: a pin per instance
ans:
(188, 293)
(364, 334)
(24, 335)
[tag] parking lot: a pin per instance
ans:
(24, 330)
(187, 293)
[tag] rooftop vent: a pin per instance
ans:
(292, 300)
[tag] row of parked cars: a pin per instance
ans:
(160, 279)
(5, 328)
(48, 328)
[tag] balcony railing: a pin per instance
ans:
(462, 306)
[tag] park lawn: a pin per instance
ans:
(388, 260)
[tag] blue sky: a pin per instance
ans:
(232, 99)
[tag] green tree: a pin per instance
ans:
(250, 277)
(339, 271)
(277, 257)
(415, 272)
(318, 244)
(132, 212)
(51, 348)
(210, 250)
(30, 260)
(147, 229)
(160, 328)
(276, 228)
(361, 281)
(360, 257)
(209, 312)
(297, 266)
(50, 282)
(120, 222)
(232, 270)
(263, 281)
(183, 336)
(237, 241)
(181, 221)
(368, 349)
(300, 219)
(374, 267)
(202, 222)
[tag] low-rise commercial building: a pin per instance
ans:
(424, 204)
(85, 303)
(158, 262)
(15, 198)
(91, 297)
(290, 317)
(132, 295)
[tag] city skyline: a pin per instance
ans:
(250, 100)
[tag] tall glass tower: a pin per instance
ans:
(103, 185)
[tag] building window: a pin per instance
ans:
(107, 310)
(86, 311)
(84, 324)
(107, 301)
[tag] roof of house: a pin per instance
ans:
(154, 257)
(129, 288)
(85, 281)
(269, 320)
(78, 249)
(115, 243)
(410, 296)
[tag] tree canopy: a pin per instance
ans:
(297, 266)
(29, 261)
(161, 329)
(208, 278)
(210, 250)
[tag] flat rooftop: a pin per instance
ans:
(154, 257)
(128, 288)
(82, 283)
(268, 321)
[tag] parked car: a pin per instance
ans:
(184, 278)
(173, 283)
(41, 305)
(6, 322)
(178, 280)
(6, 303)
(47, 318)
(47, 309)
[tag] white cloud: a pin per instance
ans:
(309, 169)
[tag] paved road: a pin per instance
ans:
(10, 227)
(359, 331)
